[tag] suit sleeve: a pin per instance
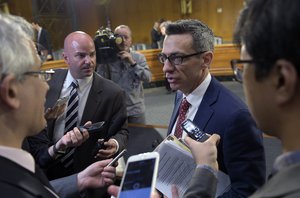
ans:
(38, 147)
(203, 184)
(243, 155)
(118, 123)
(66, 187)
(141, 71)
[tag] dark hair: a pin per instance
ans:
(270, 31)
(203, 37)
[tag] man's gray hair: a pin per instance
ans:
(123, 26)
(17, 50)
(203, 37)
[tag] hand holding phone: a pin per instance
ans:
(193, 131)
(96, 127)
(140, 174)
(112, 163)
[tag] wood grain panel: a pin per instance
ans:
(219, 67)
(141, 14)
(223, 54)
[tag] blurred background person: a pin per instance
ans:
(155, 35)
(43, 39)
(129, 71)
(163, 26)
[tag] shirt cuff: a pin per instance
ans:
(116, 143)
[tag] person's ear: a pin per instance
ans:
(207, 58)
(66, 58)
(9, 91)
(286, 79)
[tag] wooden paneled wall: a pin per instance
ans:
(21, 8)
(219, 15)
(219, 67)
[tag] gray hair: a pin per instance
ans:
(203, 37)
(123, 26)
(17, 50)
(165, 24)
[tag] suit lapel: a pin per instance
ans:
(55, 84)
(205, 111)
(178, 98)
(93, 100)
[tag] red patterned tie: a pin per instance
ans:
(184, 106)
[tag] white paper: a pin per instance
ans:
(177, 166)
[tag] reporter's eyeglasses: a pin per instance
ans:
(43, 75)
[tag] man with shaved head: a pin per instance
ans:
(97, 99)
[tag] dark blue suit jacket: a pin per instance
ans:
(240, 151)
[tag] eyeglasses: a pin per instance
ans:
(43, 75)
(237, 66)
(175, 59)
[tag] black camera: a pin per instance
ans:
(107, 45)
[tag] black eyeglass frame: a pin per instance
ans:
(238, 72)
(174, 56)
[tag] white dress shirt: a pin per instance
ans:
(195, 99)
(83, 92)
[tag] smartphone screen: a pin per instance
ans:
(138, 178)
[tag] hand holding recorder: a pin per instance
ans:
(193, 131)
(72, 138)
(205, 153)
(106, 148)
(202, 145)
(96, 175)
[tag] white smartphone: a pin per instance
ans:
(140, 174)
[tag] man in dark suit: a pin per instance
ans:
(270, 66)
(43, 40)
(155, 35)
(187, 54)
(99, 100)
(22, 96)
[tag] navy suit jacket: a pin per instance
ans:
(106, 102)
(240, 151)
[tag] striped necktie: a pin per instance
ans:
(184, 106)
(72, 108)
(71, 122)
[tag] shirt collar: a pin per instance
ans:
(193, 97)
(18, 156)
(81, 82)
